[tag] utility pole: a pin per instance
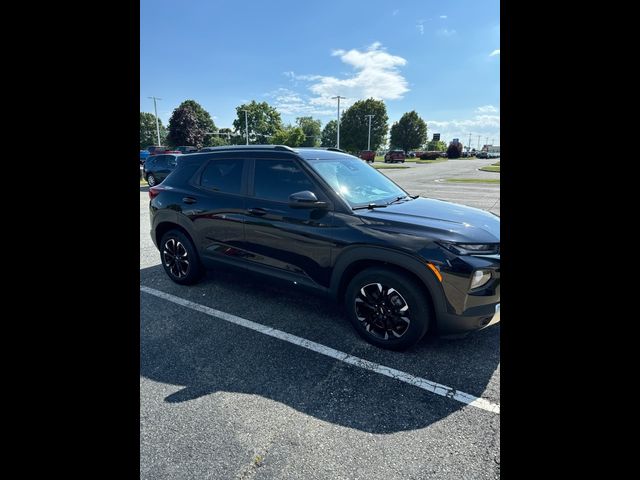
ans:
(369, 139)
(478, 142)
(338, 134)
(486, 142)
(155, 109)
(469, 148)
(246, 125)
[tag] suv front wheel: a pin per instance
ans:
(387, 308)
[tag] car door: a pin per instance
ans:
(294, 242)
(216, 207)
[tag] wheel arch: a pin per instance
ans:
(356, 259)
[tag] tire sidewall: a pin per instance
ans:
(155, 181)
(412, 293)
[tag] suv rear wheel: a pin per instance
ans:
(151, 180)
(387, 308)
(179, 258)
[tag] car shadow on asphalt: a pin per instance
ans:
(187, 349)
(144, 188)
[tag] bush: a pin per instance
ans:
(454, 150)
(429, 155)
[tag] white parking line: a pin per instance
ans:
(419, 382)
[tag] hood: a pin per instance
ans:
(449, 221)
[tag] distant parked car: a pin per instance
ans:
(157, 167)
(394, 156)
(143, 156)
(159, 149)
(186, 149)
(482, 155)
(368, 155)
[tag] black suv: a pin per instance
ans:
(326, 220)
(157, 167)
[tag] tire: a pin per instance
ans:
(382, 321)
(188, 269)
(151, 180)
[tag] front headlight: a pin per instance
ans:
(472, 248)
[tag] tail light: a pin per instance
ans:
(154, 192)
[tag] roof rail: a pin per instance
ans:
(334, 149)
(251, 147)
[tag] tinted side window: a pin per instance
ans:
(181, 175)
(223, 176)
(172, 161)
(277, 179)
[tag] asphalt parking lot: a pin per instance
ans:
(226, 392)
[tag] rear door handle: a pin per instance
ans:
(257, 211)
(189, 200)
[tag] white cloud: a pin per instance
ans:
(288, 102)
(375, 74)
(420, 26)
(443, 16)
(445, 32)
(487, 109)
(395, 12)
(495, 52)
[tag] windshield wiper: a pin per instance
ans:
(370, 206)
(402, 198)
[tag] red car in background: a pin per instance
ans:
(394, 156)
(368, 155)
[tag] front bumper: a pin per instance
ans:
(451, 323)
(469, 310)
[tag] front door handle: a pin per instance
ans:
(257, 211)
(189, 200)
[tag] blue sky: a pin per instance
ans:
(440, 58)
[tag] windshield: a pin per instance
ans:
(355, 181)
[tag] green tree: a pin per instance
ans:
(354, 125)
(311, 129)
(190, 124)
(329, 133)
(436, 146)
(148, 134)
(263, 119)
(409, 133)
(290, 136)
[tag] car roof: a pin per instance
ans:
(306, 153)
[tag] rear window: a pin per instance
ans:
(181, 175)
(223, 176)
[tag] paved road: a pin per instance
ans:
(222, 401)
(428, 180)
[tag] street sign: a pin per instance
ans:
(436, 137)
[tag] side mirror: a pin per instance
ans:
(305, 199)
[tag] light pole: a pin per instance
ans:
(369, 139)
(338, 134)
(246, 125)
(155, 109)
